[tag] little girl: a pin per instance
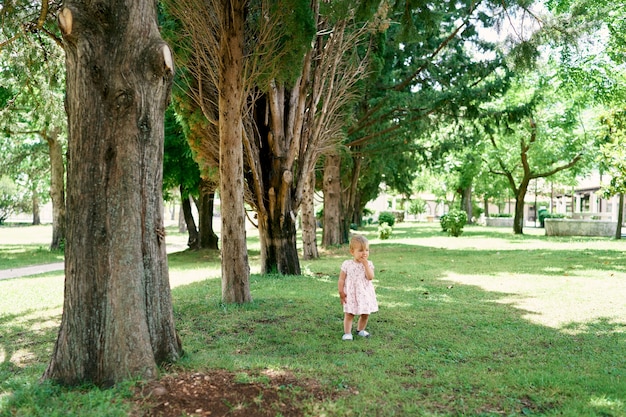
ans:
(355, 288)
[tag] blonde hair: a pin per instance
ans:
(358, 241)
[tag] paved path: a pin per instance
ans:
(30, 270)
(174, 246)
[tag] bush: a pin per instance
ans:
(387, 217)
(543, 214)
(453, 222)
(477, 210)
(384, 231)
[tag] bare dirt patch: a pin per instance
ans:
(221, 393)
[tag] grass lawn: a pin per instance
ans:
(486, 324)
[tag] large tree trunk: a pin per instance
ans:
(117, 318)
(277, 222)
(208, 238)
(235, 268)
(57, 189)
(333, 223)
(309, 222)
(278, 235)
(277, 177)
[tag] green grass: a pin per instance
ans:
(487, 324)
(15, 256)
(23, 245)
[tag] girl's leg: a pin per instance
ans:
(362, 322)
(347, 323)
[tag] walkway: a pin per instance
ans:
(30, 270)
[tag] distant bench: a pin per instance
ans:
(580, 227)
(499, 221)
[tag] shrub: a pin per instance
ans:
(387, 217)
(453, 222)
(544, 214)
(384, 231)
(477, 210)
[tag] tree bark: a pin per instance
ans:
(235, 267)
(182, 224)
(190, 223)
(57, 189)
(332, 230)
(518, 220)
(309, 222)
(620, 217)
(349, 207)
(277, 233)
(486, 204)
(35, 208)
(117, 318)
(466, 203)
(207, 236)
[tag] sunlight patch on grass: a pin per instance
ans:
(22, 357)
(188, 276)
(396, 304)
(560, 302)
(20, 295)
(607, 403)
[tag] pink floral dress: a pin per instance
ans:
(360, 294)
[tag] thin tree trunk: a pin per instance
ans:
(620, 217)
(207, 237)
(466, 203)
(35, 208)
(182, 225)
(350, 208)
(57, 189)
(486, 204)
(117, 318)
(518, 220)
(309, 222)
(190, 223)
(235, 268)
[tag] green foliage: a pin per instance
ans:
(179, 167)
(453, 222)
(384, 231)
(613, 152)
(477, 210)
(417, 206)
(386, 217)
(32, 75)
(293, 26)
(10, 199)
